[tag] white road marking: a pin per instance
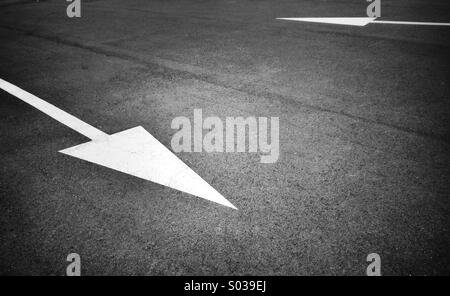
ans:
(133, 151)
(52, 111)
(411, 23)
(356, 21)
(351, 21)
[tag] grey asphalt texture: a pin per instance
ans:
(364, 138)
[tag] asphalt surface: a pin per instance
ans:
(364, 138)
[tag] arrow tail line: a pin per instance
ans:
(411, 23)
(63, 117)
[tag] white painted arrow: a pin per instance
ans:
(133, 151)
(356, 21)
(351, 21)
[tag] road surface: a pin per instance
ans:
(364, 138)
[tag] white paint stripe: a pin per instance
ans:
(52, 111)
(411, 23)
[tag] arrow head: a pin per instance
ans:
(350, 21)
(136, 152)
